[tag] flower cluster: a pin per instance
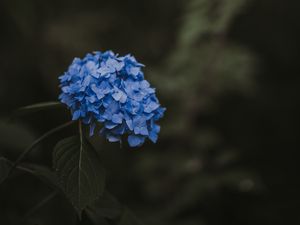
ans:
(106, 88)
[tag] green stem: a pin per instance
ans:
(80, 131)
(80, 158)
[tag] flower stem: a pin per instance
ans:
(80, 131)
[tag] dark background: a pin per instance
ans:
(228, 73)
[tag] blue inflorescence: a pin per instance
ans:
(106, 88)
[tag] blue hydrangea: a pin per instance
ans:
(108, 89)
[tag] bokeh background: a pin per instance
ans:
(228, 73)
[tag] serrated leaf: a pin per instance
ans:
(37, 107)
(5, 166)
(107, 206)
(79, 170)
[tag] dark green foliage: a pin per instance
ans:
(79, 170)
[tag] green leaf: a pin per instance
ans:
(79, 170)
(5, 166)
(37, 107)
(106, 206)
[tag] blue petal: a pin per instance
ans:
(111, 109)
(159, 113)
(92, 68)
(66, 89)
(135, 140)
(113, 138)
(144, 84)
(154, 133)
(117, 118)
(65, 77)
(133, 70)
(150, 107)
(86, 81)
(119, 130)
(110, 125)
(144, 131)
(105, 87)
(97, 91)
(119, 95)
(76, 115)
(92, 129)
(139, 121)
(129, 124)
(104, 70)
(114, 64)
(91, 99)
(107, 101)
(132, 107)
(92, 108)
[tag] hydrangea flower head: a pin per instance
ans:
(111, 90)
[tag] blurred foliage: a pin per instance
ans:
(203, 66)
(227, 71)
